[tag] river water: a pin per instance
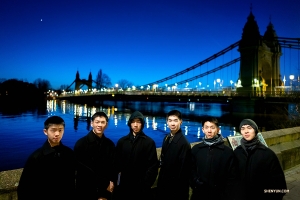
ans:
(21, 129)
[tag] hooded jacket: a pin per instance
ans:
(136, 160)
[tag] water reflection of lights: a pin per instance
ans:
(165, 127)
(154, 124)
(51, 106)
(77, 110)
(198, 132)
(116, 120)
(85, 112)
(186, 130)
(108, 112)
(63, 107)
(192, 106)
(127, 116)
(147, 122)
(93, 111)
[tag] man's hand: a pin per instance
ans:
(110, 187)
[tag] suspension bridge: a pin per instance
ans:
(255, 65)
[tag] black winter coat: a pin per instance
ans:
(259, 172)
(94, 166)
(173, 178)
(213, 172)
(49, 173)
(136, 160)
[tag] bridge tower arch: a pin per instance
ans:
(260, 59)
(80, 82)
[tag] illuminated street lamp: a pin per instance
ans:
(292, 78)
(284, 80)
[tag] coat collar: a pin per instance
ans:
(219, 145)
(92, 137)
(177, 136)
(47, 149)
(140, 135)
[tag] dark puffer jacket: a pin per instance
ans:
(136, 160)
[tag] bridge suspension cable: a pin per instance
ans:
(209, 72)
(292, 43)
(234, 45)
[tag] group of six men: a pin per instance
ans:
(97, 169)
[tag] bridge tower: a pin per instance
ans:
(260, 60)
(79, 82)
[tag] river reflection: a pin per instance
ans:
(21, 131)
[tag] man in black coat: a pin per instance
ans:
(213, 165)
(95, 155)
(260, 174)
(175, 168)
(136, 162)
(49, 172)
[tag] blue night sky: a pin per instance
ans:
(138, 40)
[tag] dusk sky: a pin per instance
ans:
(138, 40)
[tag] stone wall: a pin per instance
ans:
(284, 142)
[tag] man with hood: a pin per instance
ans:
(213, 165)
(136, 162)
(260, 173)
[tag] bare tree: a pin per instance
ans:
(42, 85)
(102, 80)
(124, 84)
(64, 87)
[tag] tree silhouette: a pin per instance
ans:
(102, 80)
(124, 84)
(42, 85)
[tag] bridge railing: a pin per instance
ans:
(278, 91)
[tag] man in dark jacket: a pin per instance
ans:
(136, 162)
(49, 172)
(260, 173)
(173, 179)
(213, 165)
(95, 155)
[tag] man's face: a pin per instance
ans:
(136, 125)
(174, 123)
(54, 134)
(99, 125)
(247, 132)
(210, 130)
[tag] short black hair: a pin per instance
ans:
(99, 114)
(53, 120)
(174, 112)
(210, 119)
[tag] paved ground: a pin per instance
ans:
(292, 177)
